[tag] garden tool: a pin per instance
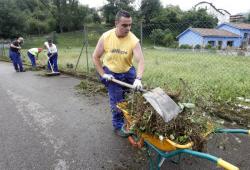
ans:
(53, 73)
(159, 100)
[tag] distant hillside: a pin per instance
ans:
(68, 39)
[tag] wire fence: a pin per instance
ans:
(213, 62)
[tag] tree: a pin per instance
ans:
(162, 37)
(157, 35)
(199, 19)
(169, 15)
(168, 18)
(150, 9)
(96, 17)
(113, 6)
(248, 18)
(11, 25)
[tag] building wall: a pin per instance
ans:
(191, 39)
(236, 31)
(236, 41)
(230, 29)
(247, 39)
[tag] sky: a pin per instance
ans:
(234, 7)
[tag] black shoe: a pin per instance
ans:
(17, 71)
(23, 71)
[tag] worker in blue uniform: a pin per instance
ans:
(15, 56)
(52, 53)
(33, 55)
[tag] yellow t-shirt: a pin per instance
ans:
(118, 52)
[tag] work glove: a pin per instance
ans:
(137, 84)
(107, 76)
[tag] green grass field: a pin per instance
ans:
(206, 75)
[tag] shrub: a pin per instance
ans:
(197, 46)
(185, 46)
(208, 46)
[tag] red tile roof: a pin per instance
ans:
(213, 32)
(240, 25)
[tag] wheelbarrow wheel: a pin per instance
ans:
(132, 138)
(135, 141)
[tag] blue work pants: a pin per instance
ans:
(53, 61)
(117, 92)
(16, 60)
(32, 59)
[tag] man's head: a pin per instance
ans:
(123, 22)
(40, 50)
(50, 42)
(20, 40)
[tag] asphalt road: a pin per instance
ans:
(46, 125)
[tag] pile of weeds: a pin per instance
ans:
(191, 125)
(232, 112)
(90, 88)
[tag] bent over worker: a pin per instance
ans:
(33, 55)
(15, 56)
(118, 46)
(52, 53)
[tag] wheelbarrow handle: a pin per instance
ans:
(242, 131)
(226, 165)
(125, 84)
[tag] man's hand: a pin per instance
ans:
(107, 76)
(137, 84)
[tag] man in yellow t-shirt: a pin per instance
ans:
(117, 47)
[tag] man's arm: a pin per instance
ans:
(14, 46)
(137, 51)
(99, 50)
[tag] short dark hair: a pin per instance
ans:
(122, 13)
(50, 41)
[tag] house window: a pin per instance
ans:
(212, 43)
(230, 43)
(220, 44)
(245, 35)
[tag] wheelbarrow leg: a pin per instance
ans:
(148, 153)
(178, 159)
(161, 159)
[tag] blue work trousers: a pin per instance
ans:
(16, 60)
(32, 59)
(117, 92)
(53, 61)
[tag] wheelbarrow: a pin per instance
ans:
(167, 148)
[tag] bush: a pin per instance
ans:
(208, 46)
(185, 46)
(197, 46)
(174, 44)
(168, 39)
(162, 37)
(157, 35)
